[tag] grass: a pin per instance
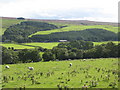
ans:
(77, 28)
(44, 45)
(105, 42)
(16, 46)
(30, 45)
(58, 70)
(8, 22)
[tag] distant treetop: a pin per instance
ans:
(21, 18)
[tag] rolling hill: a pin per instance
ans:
(18, 31)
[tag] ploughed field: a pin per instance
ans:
(95, 73)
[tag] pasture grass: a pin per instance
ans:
(77, 28)
(105, 42)
(47, 45)
(7, 23)
(30, 45)
(61, 74)
(16, 46)
(44, 45)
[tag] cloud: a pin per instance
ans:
(59, 9)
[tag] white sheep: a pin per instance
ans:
(30, 68)
(7, 67)
(70, 64)
(84, 59)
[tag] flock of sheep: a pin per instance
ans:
(87, 84)
(32, 68)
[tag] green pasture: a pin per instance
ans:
(77, 28)
(30, 45)
(44, 45)
(9, 22)
(58, 73)
(105, 42)
(16, 46)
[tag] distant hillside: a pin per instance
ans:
(7, 22)
(20, 32)
(95, 35)
(76, 22)
(15, 29)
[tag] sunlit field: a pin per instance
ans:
(95, 73)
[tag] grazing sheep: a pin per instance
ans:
(70, 64)
(85, 86)
(84, 59)
(7, 67)
(30, 68)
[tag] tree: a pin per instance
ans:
(26, 55)
(79, 54)
(72, 55)
(9, 56)
(112, 48)
(60, 53)
(48, 55)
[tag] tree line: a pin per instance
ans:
(20, 32)
(95, 35)
(78, 49)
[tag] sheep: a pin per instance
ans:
(84, 59)
(85, 86)
(7, 67)
(30, 68)
(70, 64)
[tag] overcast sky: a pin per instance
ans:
(94, 10)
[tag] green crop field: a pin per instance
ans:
(77, 28)
(95, 73)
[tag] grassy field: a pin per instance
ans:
(16, 46)
(8, 22)
(44, 45)
(30, 45)
(77, 28)
(105, 42)
(100, 73)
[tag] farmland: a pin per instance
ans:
(95, 73)
(77, 28)
(16, 46)
(51, 69)
(8, 22)
(30, 45)
(23, 31)
(98, 43)
(44, 45)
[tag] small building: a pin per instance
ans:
(62, 40)
(7, 41)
